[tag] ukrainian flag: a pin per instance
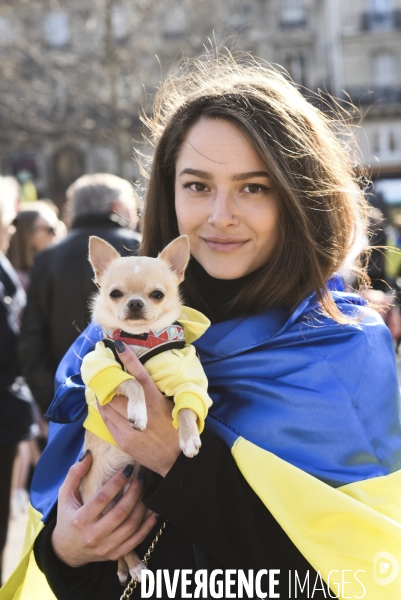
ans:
(310, 410)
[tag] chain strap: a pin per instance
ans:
(132, 584)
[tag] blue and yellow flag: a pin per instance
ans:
(310, 410)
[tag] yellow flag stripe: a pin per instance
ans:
(27, 582)
(336, 530)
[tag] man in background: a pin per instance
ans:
(61, 282)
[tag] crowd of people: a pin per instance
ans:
(384, 269)
(301, 370)
(45, 285)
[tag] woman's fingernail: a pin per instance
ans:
(102, 408)
(157, 517)
(128, 471)
(141, 477)
(80, 459)
(120, 346)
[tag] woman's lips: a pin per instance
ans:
(224, 244)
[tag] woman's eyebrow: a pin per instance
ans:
(243, 176)
(197, 173)
(237, 177)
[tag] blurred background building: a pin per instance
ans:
(73, 75)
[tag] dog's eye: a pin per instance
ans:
(116, 294)
(156, 295)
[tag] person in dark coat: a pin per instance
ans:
(61, 282)
(15, 410)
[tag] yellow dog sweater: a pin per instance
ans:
(170, 360)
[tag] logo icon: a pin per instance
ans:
(386, 564)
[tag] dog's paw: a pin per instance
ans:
(122, 577)
(137, 417)
(122, 572)
(136, 571)
(190, 446)
(136, 407)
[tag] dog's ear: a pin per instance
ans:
(176, 254)
(101, 254)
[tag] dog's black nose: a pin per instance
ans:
(135, 305)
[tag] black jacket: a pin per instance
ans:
(57, 307)
(16, 416)
(205, 501)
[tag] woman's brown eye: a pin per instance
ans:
(157, 295)
(196, 186)
(254, 188)
(116, 294)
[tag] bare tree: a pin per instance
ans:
(77, 71)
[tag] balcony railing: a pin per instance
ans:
(379, 95)
(371, 21)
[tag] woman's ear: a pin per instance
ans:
(101, 254)
(177, 254)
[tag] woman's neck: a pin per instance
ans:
(214, 295)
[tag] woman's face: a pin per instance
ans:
(43, 234)
(224, 200)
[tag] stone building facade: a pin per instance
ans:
(73, 75)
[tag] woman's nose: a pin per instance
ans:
(223, 210)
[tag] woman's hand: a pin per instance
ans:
(156, 447)
(83, 534)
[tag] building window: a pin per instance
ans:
(376, 142)
(119, 21)
(175, 22)
(385, 142)
(384, 70)
(292, 12)
(380, 6)
(57, 29)
(241, 17)
(296, 66)
(380, 15)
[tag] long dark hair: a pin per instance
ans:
(321, 207)
(20, 252)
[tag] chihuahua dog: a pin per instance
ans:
(138, 300)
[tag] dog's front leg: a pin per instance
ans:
(188, 432)
(136, 408)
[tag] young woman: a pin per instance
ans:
(304, 424)
(35, 230)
